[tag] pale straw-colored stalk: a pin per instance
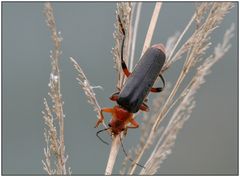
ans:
(151, 27)
(135, 29)
(170, 60)
(54, 116)
(113, 154)
(87, 88)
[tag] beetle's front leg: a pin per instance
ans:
(134, 124)
(101, 118)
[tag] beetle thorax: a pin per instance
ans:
(119, 120)
(121, 114)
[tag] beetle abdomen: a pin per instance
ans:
(139, 83)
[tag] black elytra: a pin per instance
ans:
(141, 80)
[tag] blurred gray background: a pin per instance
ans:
(208, 142)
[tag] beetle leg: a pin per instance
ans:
(124, 66)
(100, 119)
(119, 89)
(114, 96)
(159, 89)
(144, 107)
(134, 125)
(145, 100)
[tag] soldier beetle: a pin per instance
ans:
(132, 97)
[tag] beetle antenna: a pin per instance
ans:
(124, 66)
(123, 40)
(127, 154)
(100, 137)
(121, 25)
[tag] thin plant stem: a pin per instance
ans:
(181, 36)
(113, 154)
(135, 29)
(152, 26)
(56, 135)
(87, 88)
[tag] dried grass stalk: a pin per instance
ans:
(53, 116)
(124, 11)
(87, 88)
(135, 28)
(151, 27)
(113, 154)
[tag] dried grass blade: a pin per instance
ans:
(152, 26)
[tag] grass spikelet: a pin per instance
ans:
(53, 115)
(87, 88)
(124, 12)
